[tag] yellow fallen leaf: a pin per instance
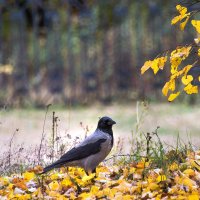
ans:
(193, 197)
(54, 176)
(22, 196)
(88, 178)
(85, 196)
(195, 164)
(189, 172)
(54, 185)
(54, 194)
(3, 181)
(28, 176)
(161, 178)
(66, 182)
(174, 166)
(187, 182)
(94, 190)
(153, 186)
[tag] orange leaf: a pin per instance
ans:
(21, 185)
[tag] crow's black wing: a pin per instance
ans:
(76, 153)
(81, 152)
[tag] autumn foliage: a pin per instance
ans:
(187, 74)
(131, 181)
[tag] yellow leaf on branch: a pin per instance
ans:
(158, 63)
(180, 52)
(191, 89)
(165, 89)
(155, 65)
(181, 9)
(182, 14)
(183, 24)
(186, 69)
(198, 52)
(146, 66)
(170, 85)
(186, 79)
(173, 96)
(177, 56)
(196, 24)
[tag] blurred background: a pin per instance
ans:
(88, 52)
(81, 51)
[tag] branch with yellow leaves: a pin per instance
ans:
(188, 74)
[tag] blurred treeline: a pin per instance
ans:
(80, 51)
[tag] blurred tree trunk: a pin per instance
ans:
(20, 57)
(54, 60)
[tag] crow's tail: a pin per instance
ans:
(52, 166)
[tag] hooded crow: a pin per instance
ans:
(91, 151)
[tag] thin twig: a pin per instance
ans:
(53, 134)
(10, 146)
(43, 134)
(75, 183)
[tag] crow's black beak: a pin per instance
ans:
(111, 122)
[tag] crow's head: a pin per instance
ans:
(105, 123)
